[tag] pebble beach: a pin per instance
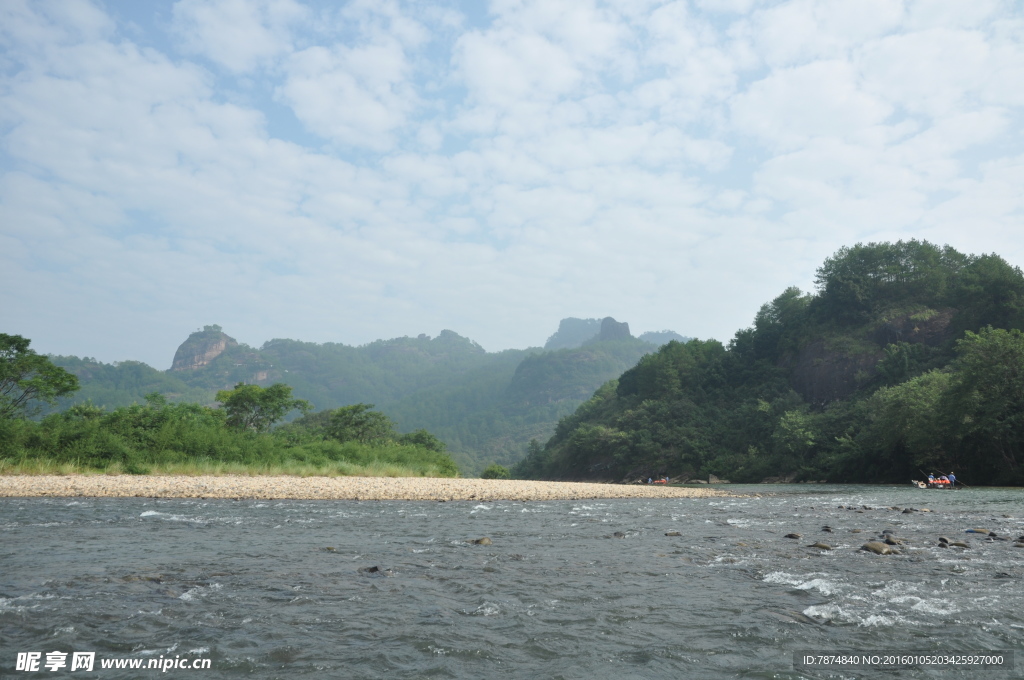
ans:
(328, 488)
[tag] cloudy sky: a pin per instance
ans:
(351, 171)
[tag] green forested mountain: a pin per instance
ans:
(908, 357)
(486, 406)
(124, 383)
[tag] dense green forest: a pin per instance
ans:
(486, 406)
(187, 438)
(908, 357)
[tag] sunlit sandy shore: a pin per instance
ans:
(338, 488)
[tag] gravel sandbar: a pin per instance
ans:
(329, 488)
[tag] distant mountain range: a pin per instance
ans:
(486, 406)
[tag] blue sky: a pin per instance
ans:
(351, 171)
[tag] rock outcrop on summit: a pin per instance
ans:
(201, 348)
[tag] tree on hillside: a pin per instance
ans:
(424, 439)
(990, 292)
(857, 282)
(251, 407)
(985, 402)
(26, 377)
(359, 423)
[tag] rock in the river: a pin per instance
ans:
(481, 541)
(792, 536)
(376, 571)
(672, 533)
(819, 544)
(959, 544)
(878, 548)
(978, 531)
(827, 528)
(943, 539)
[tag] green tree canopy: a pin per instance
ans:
(26, 377)
(984, 405)
(359, 423)
(425, 439)
(251, 407)
(495, 471)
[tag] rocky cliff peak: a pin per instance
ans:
(201, 348)
(573, 332)
(613, 330)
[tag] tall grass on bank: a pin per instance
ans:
(193, 440)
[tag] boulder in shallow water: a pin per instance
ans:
(878, 548)
(792, 536)
(376, 572)
(672, 533)
(959, 544)
(820, 546)
(481, 541)
(978, 531)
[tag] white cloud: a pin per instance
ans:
(358, 91)
(796, 32)
(237, 35)
(355, 96)
(794, 105)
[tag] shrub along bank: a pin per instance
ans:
(184, 438)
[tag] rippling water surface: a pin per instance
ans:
(567, 589)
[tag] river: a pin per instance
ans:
(565, 589)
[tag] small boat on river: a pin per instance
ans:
(933, 484)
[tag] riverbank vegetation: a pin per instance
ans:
(187, 438)
(908, 359)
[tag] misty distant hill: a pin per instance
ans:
(573, 332)
(659, 338)
(485, 405)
